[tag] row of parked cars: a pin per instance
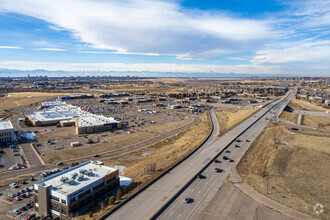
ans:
(50, 172)
(24, 208)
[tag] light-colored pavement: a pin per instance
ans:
(299, 119)
(312, 113)
(144, 205)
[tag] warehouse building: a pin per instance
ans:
(7, 132)
(68, 115)
(75, 190)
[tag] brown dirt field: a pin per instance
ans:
(117, 141)
(19, 102)
(316, 121)
(60, 132)
(288, 116)
(301, 106)
(162, 154)
(167, 127)
(229, 118)
(295, 168)
(35, 94)
(17, 179)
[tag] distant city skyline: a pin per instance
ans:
(177, 37)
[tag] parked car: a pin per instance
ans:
(14, 150)
(23, 208)
(17, 198)
(23, 182)
(31, 188)
(96, 155)
(22, 191)
(55, 170)
(31, 179)
(12, 146)
(13, 185)
(16, 212)
(16, 154)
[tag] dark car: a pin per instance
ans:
(225, 158)
(23, 182)
(228, 151)
(188, 200)
(96, 155)
(201, 176)
(23, 208)
(236, 145)
(217, 161)
(31, 179)
(219, 170)
(231, 160)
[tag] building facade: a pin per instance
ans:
(74, 191)
(7, 132)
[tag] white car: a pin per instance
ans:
(16, 212)
(13, 185)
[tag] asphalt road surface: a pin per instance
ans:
(205, 191)
(146, 204)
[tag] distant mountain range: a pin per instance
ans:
(61, 73)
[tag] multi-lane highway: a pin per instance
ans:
(203, 190)
(146, 204)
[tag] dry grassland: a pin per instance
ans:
(19, 102)
(60, 132)
(162, 155)
(116, 142)
(289, 116)
(295, 167)
(167, 127)
(35, 94)
(229, 118)
(318, 107)
(316, 121)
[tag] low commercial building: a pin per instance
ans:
(68, 115)
(75, 190)
(7, 132)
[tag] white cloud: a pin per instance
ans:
(147, 26)
(10, 47)
(49, 49)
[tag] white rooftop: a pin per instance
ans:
(5, 125)
(62, 111)
(95, 167)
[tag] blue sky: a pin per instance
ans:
(214, 36)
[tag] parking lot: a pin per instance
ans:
(10, 157)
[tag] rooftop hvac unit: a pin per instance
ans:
(63, 179)
(74, 175)
(89, 173)
(81, 178)
(82, 171)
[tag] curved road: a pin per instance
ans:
(146, 204)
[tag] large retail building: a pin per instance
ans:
(7, 132)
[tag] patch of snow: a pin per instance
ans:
(26, 134)
(287, 144)
(125, 181)
(121, 169)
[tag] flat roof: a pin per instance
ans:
(6, 124)
(95, 167)
(63, 111)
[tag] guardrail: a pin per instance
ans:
(178, 193)
(158, 177)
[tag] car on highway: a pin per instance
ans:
(201, 176)
(228, 151)
(238, 140)
(225, 158)
(189, 200)
(16, 212)
(216, 161)
(236, 145)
